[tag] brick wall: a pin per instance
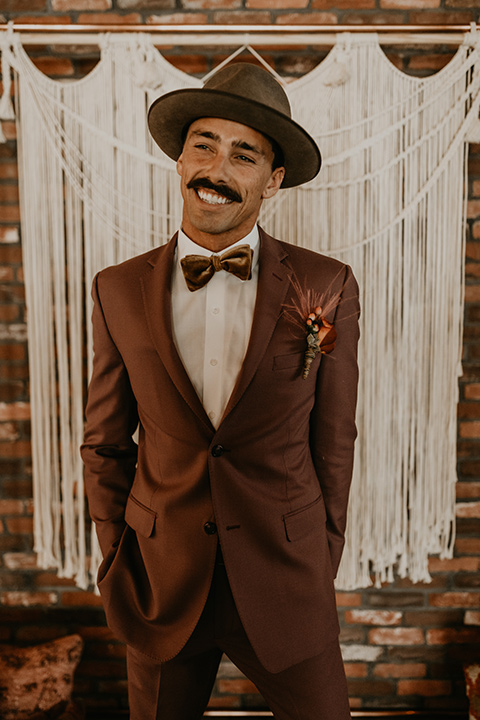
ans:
(404, 644)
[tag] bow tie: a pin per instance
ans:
(199, 269)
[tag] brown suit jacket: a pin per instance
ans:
(274, 477)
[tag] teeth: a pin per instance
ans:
(212, 199)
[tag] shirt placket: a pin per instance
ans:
(213, 370)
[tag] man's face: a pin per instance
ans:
(226, 172)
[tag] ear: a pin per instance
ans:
(180, 164)
(273, 185)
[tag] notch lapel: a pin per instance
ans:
(157, 300)
(273, 283)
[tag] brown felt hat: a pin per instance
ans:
(246, 94)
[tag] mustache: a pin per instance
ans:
(223, 190)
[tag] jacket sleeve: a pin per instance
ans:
(333, 429)
(108, 450)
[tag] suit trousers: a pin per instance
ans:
(180, 689)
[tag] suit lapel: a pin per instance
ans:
(273, 283)
(157, 300)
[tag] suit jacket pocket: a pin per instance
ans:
(292, 360)
(140, 517)
(300, 523)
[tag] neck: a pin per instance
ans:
(215, 243)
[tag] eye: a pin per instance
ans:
(245, 158)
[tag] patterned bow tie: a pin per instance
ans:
(199, 269)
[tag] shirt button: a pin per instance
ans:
(211, 415)
(213, 362)
(215, 310)
(210, 528)
(218, 450)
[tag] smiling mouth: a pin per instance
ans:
(212, 198)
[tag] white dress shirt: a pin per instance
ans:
(211, 326)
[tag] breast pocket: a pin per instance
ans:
(285, 362)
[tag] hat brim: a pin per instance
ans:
(172, 112)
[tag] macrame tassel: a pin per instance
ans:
(6, 105)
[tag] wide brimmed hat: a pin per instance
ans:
(246, 94)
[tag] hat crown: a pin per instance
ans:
(252, 83)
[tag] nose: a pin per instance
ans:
(218, 169)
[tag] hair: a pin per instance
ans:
(278, 155)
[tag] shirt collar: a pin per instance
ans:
(185, 246)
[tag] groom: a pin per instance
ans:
(222, 525)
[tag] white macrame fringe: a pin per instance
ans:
(389, 200)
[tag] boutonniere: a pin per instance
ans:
(321, 336)
(308, 311)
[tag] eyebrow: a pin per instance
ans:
(241, 144)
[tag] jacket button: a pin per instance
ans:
(210, 528)
(218, 450)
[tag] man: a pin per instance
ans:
(222, 530)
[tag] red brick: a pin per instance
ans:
(179, 19)
(211, 4)
(10, 213)
(193, 64)
(11, 507)
(468, 489)
(396, 636)
(455, 599)
(467, 546)
(461, 3)
(425, 688)
(53, 66)
(473, 248)
(17, 410)
(20, 6)
(21, 448)
(51, 579)
(81, 599)
(470, 429)
(19, 525)
(356, 670)
(409, 4)
(20, 561)
(348, 599)
(378, 18)
(457, 564)
(66, 5)
(472, 390)
(109, 19)
(279, 4)
(475, 234)
(397, 670)
(237, 17)
(429, 61)
(445, 636)
(34, 634)
(8, 194)
(473, 208)
(8, 170)
(440, 18)
(372, 688)
(319, 18)
(46, 20)
(374, 617)
(27, 599)
(468, 509)
(343, 4)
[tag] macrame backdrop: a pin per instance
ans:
(389, 200)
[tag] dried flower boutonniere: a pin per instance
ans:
(321, 334)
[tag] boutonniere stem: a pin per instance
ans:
(321, 336)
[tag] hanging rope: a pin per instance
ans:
(95, 190)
